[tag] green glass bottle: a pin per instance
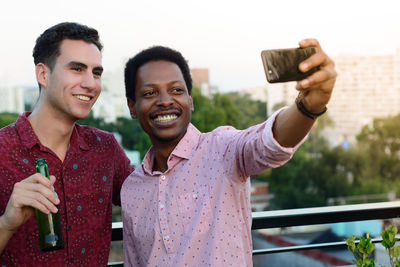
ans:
(49, 225)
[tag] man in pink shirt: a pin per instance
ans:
(188, 204)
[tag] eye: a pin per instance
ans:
(97, 73)
(148, 93)
(77, 69)
(178, 90)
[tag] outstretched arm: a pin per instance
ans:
(291, 125)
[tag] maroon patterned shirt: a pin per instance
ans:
(88, 181)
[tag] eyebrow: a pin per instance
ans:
(84, 66)
(172, 82)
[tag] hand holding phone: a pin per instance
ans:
(282, 65)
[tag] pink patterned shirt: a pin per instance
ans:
(197, 213)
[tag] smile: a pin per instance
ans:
(165, 118)
(83, 97)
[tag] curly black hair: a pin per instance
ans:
(47, 47)
(154, 53)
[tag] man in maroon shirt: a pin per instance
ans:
(87, 166)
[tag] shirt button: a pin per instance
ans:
(163, 177)
(166, 238)
(162, 206)
(195, 196)
(68, 227)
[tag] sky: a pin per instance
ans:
(226, 37)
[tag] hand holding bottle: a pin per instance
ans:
(36, 191)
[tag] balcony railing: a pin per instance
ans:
(308, 216)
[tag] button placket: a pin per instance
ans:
(162, 213)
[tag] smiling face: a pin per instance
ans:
(163, 104)
(74, 84)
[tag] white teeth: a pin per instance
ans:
(82, 97)
(166, 118)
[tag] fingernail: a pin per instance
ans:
(304, 66)
(55, 210)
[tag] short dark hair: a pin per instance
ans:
(47, 47)
(154, 53)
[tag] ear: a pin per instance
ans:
(42, 74)
(191, 103)
(131, 106)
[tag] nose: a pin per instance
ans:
(164, 98)
(90, 82)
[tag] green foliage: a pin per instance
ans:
(380, 146)
(210, 113)
(133, 137)
(7, 118)
(361, 251)
(365, 247)
(389, 241)
(314, 174)
(251, 112)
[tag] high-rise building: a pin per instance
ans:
(367, 87)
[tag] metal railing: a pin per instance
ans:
(308, 216)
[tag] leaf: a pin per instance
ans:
(395, 252)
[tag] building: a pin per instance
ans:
(256, 93)
(367, 87)
(12, 99)
(200, 78)
(112, 103)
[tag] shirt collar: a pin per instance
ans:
(183, 149)
(29, 138)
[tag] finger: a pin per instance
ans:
(38, 178)
(24, 188)
(310, 42)
(32, 199)
(318, 59)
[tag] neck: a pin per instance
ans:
(53, 131)
(161, 155)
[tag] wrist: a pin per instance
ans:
(304, 109)
(3, 226)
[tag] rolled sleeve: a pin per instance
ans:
(270, 141)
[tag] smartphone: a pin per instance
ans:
(282, 65)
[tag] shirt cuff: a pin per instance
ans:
(269, 139)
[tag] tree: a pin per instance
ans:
(251, 112)
(210, 113)
(380, 143)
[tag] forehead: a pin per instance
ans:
(79, 51)
(159, 71)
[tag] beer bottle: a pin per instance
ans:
(49, 225)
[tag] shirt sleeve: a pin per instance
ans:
(257, 150)
(270, 141)
(122, 169)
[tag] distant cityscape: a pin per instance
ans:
(367, 87)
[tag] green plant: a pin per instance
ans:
(388, 241)
(365, 247)
(361, 251)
